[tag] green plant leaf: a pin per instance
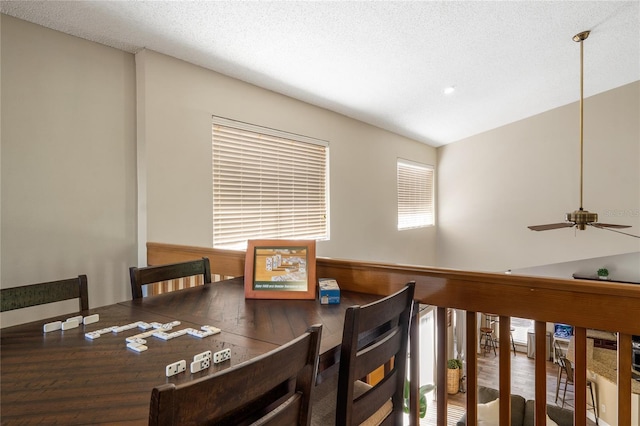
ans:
(454, 364)
(422, 411)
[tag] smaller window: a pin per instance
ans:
(415, 195)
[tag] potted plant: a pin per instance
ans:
(422, 391)
(454, 367)
(603, 273)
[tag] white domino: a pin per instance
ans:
(200, 365)
(211, 329)
(140, 335)
(203, 355)
(90, 319)
(70, 323)
(136, 340)
(178, 333)
(222, 356)
(92, 335)
(137, 347)
(77, 317)
(162, 335)
(52, 326)
(175, 368)
(144, 325)
(199, 333)
(124, 327)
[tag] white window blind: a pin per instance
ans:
(415, 195)
(266, 184)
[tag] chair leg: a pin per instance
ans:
(513, 344)
(488, 344)
(564, 394)
(493, 344)
(593, 401)
(558, 383)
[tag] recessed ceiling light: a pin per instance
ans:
(449, 90)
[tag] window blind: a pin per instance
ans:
(415, 195)
(266, 184)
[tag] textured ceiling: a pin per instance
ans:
(385, 63)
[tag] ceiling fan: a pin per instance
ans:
(581, 218)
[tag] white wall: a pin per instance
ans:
(179, 99)
(492, 185)
(68, 164)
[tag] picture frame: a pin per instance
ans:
(280, 269)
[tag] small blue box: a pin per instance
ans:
(329, 291)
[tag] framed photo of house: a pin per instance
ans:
(280, 269)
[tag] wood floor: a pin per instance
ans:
(522, 380)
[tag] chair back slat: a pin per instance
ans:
(378, 353)
(367, 404)
(160, 273)
(43, 293)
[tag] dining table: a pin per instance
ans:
(64, 377)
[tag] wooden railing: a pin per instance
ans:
(583, 304)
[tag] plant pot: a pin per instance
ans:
(453, 380)
(602, 277)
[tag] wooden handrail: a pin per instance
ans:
(581, 303)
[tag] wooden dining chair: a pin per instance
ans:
(274, 388)
(155, 274)
(374, 335)
(47, 292)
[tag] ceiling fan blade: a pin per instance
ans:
(551, 226)
(599, 225)
(608, 225)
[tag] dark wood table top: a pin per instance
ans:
(275, 321)
(61, 377)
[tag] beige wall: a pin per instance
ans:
(96, 141)
(68, 163)
(179, 99)
(492, 185)
(606, 394)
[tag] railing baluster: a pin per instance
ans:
(471, 353)
(580, 376)
(441, 363)
(505, 369)
(541, 373)
(624, 379)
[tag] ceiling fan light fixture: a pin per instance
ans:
(581, 218)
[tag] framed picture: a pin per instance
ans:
(280, 269)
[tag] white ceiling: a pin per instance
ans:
(382, 62)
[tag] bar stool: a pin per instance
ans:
(489, 340)
(495, 319)
(564, 365)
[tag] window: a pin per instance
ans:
(266, 184)
(415, 195)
